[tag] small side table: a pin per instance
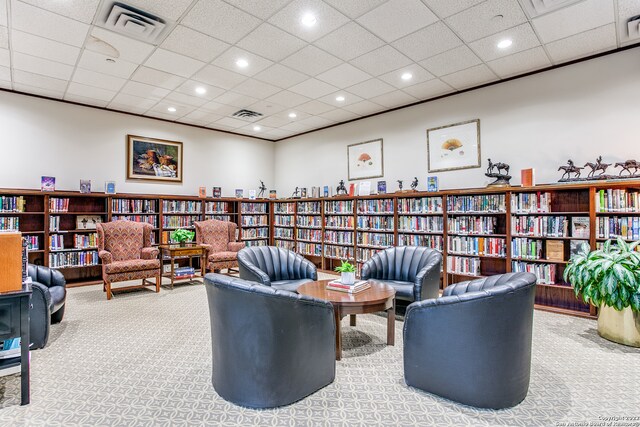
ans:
(171, 252)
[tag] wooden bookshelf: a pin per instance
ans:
(253, 222)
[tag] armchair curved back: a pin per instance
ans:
(124, 239)
(216, 233)
(269, 347)
(484, 327)
(266, 264)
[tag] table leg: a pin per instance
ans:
(172, 258)
(352, 320)
(391, 323)
(24, 351)
(338, 333)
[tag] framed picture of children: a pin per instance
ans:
(154, 159)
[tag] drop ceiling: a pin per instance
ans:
(354, 61)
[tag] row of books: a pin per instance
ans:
(253, 208)
(285, 244)
(83, 241)
(309, 221)
(612, 227)
(546, 273)
(309, 234)
(283, 220)
(254, 233)
(430, 241)
(377, 222)
(463, 265)
(256, 242)
(57, 204)
(617, 200)
(133, 206)
(284, 208)
(312, 249)
(33, 243)
(309, 207)
(9, 223)
(184, 273)
(284, 233)
(479, 203)
(333, 236)
(182, 221)
(216, 207)
(432, 224)
(363, 254)
(489, 246)
(531, 202)
(526, 248)
(181, 206)
(472, 225)
(376, 206)
(339, 221)
(252, 220)
(541, 226)
(339, 252)
(375, 239)
(150, 219)
(12, 204)
(218, 217)
(422, 205)
(338, 206)
(56, 242)
(73, 259)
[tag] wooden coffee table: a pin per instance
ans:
(171, 252)
(379, 297)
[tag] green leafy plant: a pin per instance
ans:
(346, 268)
(609, 276)
(181, 235)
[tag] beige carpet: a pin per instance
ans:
(144, 359)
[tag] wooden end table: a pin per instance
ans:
(379, 297)
(171, 252)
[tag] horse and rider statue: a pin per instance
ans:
(498, 167)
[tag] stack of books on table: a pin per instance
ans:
(360, 285)
(184, 273)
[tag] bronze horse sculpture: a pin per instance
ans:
(597, 166)
(627, 165)
(498, 166)
(569, 169)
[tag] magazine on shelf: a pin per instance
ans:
(85, 186)
(364, 189)
(382, 187)
(432, 183)
(580, 227)
(217, 191)
(48, 183)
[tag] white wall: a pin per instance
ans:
(578, 112)
(41, 137)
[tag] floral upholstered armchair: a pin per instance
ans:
(219, 239)
(126, 253)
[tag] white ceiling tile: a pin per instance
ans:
(41, 66)
(80, 10)
(38, 91)
(349, 98)
(185, 99)
(157, 78)
(522, 36)
(449, 7)
(272, 121)
(44, 48)
(219, 77)
(626, 10)
(427, 42)
(313, 88)
(189, 88)
(314, 107)
(126, 108)
(480, 21)
(228, 61)
(583, 44)
(160, 115)
(171, 9)
(267, 108)
(300, 115)
(220, 20)
(3, 13)
(98, 62)
(4, 38)
(418, 75)
(46, 24)
(328, 19)
(219, 109)
(144, 90)
(137, 102)
(260, 8)
(248, 129)
(194, 44)
(394, 99)
(191, 121)
(579, 17)
(256, 88)
(371, 88)
(280, 76)
(128, 49)
(37, 80)
(364, 108)
(103, 81)
(381, 61)
(397, 18)
(174, 63)
(474, 76)
(235, 99)
(356, 8)
(295, 127)
(360, 41)
(232, 122)
(339, 115)
(315, 122)
(5, 74)
(163, 106)
(279, 133)
(451, 61)
(200, 118)
(287, 99)
(344, 75)
(521, 62)
(311, 61)
(90, 92)
(5, 57)
(271, 42)
(428, 89)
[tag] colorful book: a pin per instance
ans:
(252, 194)
(303, 192)
(217, 191)
(273, 194)
(202, 192)
(85, 186)
(352, 190)
(432, 183)
(48, 183)
(580, 227)
(527, 177)
(110, 187)
(239, 193)
(326, 191)
(382, 187)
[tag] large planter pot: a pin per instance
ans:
(622, 327)
(347, 278)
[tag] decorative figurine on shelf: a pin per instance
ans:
(341, 189)
(262, 189)
(296, 193)
(399, 185)
(502, 178)
(414, 183)
(627, 165)
(597, 166)
(568, 170)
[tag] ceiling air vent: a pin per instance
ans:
(246, 114)
(633, 25)
(536, 8)
(131, 22)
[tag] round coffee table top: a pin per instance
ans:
(377, 293)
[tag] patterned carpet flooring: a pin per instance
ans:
(144, 359)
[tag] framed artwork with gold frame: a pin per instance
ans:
(454, 147)
(154, 159)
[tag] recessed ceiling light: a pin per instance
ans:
(406, 76)
(201, 90)
(257, 128)
(171, 109)
(340, 98)
(503, 44)
(308, 20)
(242, 63)
(293, 115)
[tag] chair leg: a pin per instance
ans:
(158, 278)
(108, 285)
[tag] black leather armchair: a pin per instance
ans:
(270, 348)
(276, 267)
(413, 271)
(47, 302)
(473, 345)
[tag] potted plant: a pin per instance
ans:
(182, 236)
(347, 273)
(609, 278)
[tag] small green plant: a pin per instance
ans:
(345, 268)
(609, 276)
(181, 235)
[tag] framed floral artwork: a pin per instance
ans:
(364, 160)
(154, 159)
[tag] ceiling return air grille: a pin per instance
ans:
(131, 22)
(246, 114)
(540, 7)
(633, 26)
